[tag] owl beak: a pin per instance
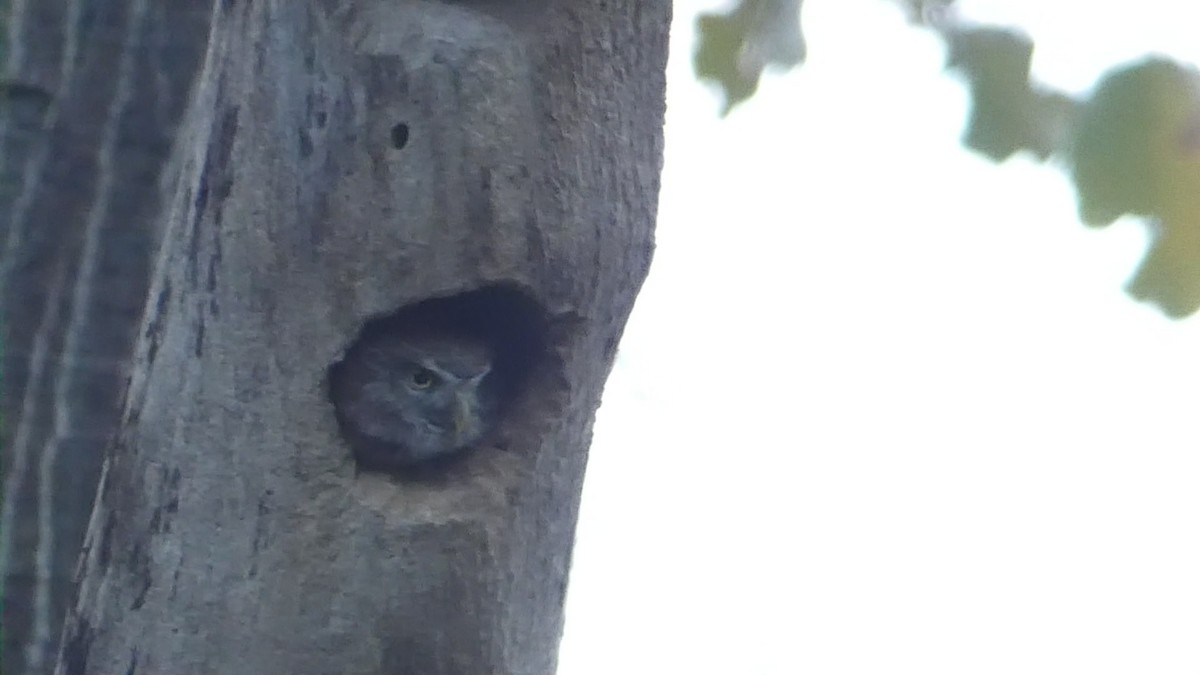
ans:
(462, 415)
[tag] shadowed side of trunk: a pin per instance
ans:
(90, 98)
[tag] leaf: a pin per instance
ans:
(1008, 114)
(1135, 148)
(1137, 151)
(735, 48)
(1169, 276)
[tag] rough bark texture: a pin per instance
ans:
(344, 160)
(90, 97)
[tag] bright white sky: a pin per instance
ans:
(883, 406)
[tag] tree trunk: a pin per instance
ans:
(342, 164)
(90, 97)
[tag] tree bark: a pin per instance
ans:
(90, 98)
(343, 161)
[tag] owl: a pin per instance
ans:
(405, 399)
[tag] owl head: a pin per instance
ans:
(416, 397)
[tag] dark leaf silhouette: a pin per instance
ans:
(735, 48)
(1137, 151)
(1132, 147)
(1008, 114)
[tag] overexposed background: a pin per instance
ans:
(882, 406)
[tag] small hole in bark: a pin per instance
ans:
(399, 135)
(483, 345)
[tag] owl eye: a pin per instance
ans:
(422, 378)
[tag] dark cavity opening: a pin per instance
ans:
(507, 319)
(399, 135)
